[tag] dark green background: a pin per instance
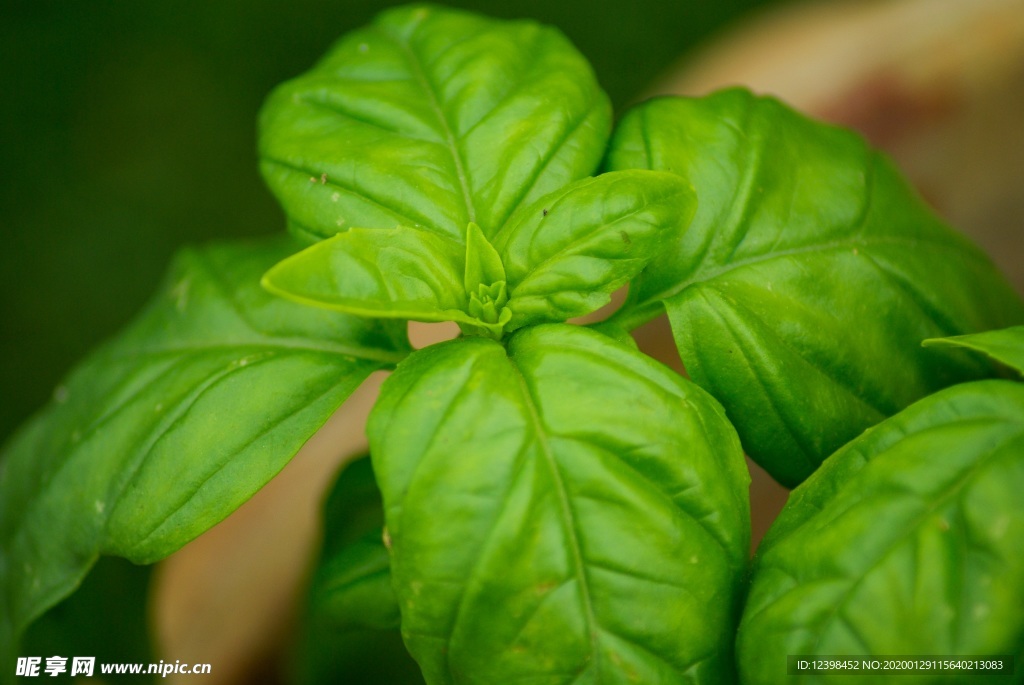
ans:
(128, 129)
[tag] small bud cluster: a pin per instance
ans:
(486, 303)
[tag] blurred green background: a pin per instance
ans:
(128, 129)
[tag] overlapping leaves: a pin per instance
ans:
(432, 118)
(800, 294)
(1006, 345)
(909, 540)
(560, 257)
(172, 425)
(561, 507)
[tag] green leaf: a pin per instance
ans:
(432, 118)
(172, 425)
(403, 273)
(1006, 346)
(350, 634)
(909, 540)
(400, 273)
(565, 254)
(566, 511)
(352, 583)
(800, 293)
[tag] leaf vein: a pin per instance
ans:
(331, 387)
(416, 66)
(568, 516)
(400, 219)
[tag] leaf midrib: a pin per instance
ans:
(450, 140)
(931, 509)
(705, 276)
(182, 410)
(854, 240)
(568, 518)
(577, 244)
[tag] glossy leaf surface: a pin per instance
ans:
(1006, 345)
(403, 273)
(400, 273)
(565, 254)
(566, 511)
(432, 118)
(811, 273)
(909, 540)
(352, 584)
(173, 424)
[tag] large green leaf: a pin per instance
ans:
(432, 118)
(565, 254)
(173, 424)
(566, 511)
(809, 277)
(1005, 345)
(909, 540)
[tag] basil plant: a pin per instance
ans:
(543, 503)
